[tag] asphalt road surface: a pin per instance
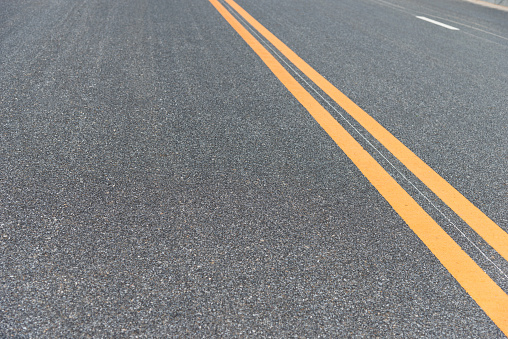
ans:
(162, 173)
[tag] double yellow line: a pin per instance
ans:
(487, 294)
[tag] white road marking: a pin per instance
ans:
(438, 23)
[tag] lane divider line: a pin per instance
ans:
(496, 237)
(360, 134)
(437, 23)
(489, 296)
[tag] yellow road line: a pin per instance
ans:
(494, 235)
(489, 296)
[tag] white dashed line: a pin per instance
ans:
(438, 23)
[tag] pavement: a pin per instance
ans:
(498, 2)
(157, 180)
(501, 5)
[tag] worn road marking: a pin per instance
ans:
(437, 23)
(476, 219)
(489, 296)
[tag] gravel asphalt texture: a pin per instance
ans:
(158, 181)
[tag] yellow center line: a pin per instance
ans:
(489, 296)
(476, 219)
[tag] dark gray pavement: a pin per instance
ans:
(157, 180)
